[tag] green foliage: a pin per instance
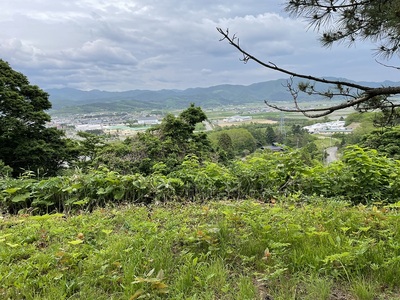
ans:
(193, 115)
(225, 141)
(95, 131)
(89, 146)
(167, 143)
(203, 181)
(362, 176)
(266, 174)
(297, 137)
(117, 156)
(362, 123)
(311, 154)
(225, 144)
(242, 139)
(351, 20)
(5, 171)
(25, 142)
(371, 175)
(257, 131)
(362, 118)
(270, 136)
(385, 140)
(216, 250)
(387, 117)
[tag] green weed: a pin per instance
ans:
(216, 250)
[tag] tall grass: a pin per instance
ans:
(217, 250)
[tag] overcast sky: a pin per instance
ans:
(120, 45)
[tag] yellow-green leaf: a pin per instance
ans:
(76, 242)
(137, 294)
(3, 237)
(47, 216)
(159, 285)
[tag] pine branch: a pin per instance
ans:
(361, 95)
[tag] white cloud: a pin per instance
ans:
(100, 52)
(129, 44)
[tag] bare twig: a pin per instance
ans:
(356, 94)
(387, 66)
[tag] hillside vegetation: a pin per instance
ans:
(287, 249)
(362, 177)
(178, 214)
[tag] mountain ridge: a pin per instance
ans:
(65, 99)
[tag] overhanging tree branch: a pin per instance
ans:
(356, 95)
(234, 41)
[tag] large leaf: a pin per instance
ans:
(21, 197)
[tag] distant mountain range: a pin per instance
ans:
(73, 100)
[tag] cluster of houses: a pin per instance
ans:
(328, 128)
(119, 124)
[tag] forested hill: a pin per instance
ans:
(96, 100)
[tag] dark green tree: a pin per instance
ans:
(340, 21)
(385, 140)
(5, 171)
(297, 137)
(25, 141)
(311, 153)
(257, 131)
(193, 115)
(117, 156)
(270, 136)
(387, 117)
(88, 147)
(296, 129)
(242, 140)
(225, 143)
(173, 139)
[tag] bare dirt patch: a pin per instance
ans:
(338, 294)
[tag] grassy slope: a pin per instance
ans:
(222, 250)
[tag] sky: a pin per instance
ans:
(119, 45)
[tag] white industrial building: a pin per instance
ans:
(328, 128)
(238, 119)
(148, 121)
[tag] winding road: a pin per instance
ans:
(331, 154)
